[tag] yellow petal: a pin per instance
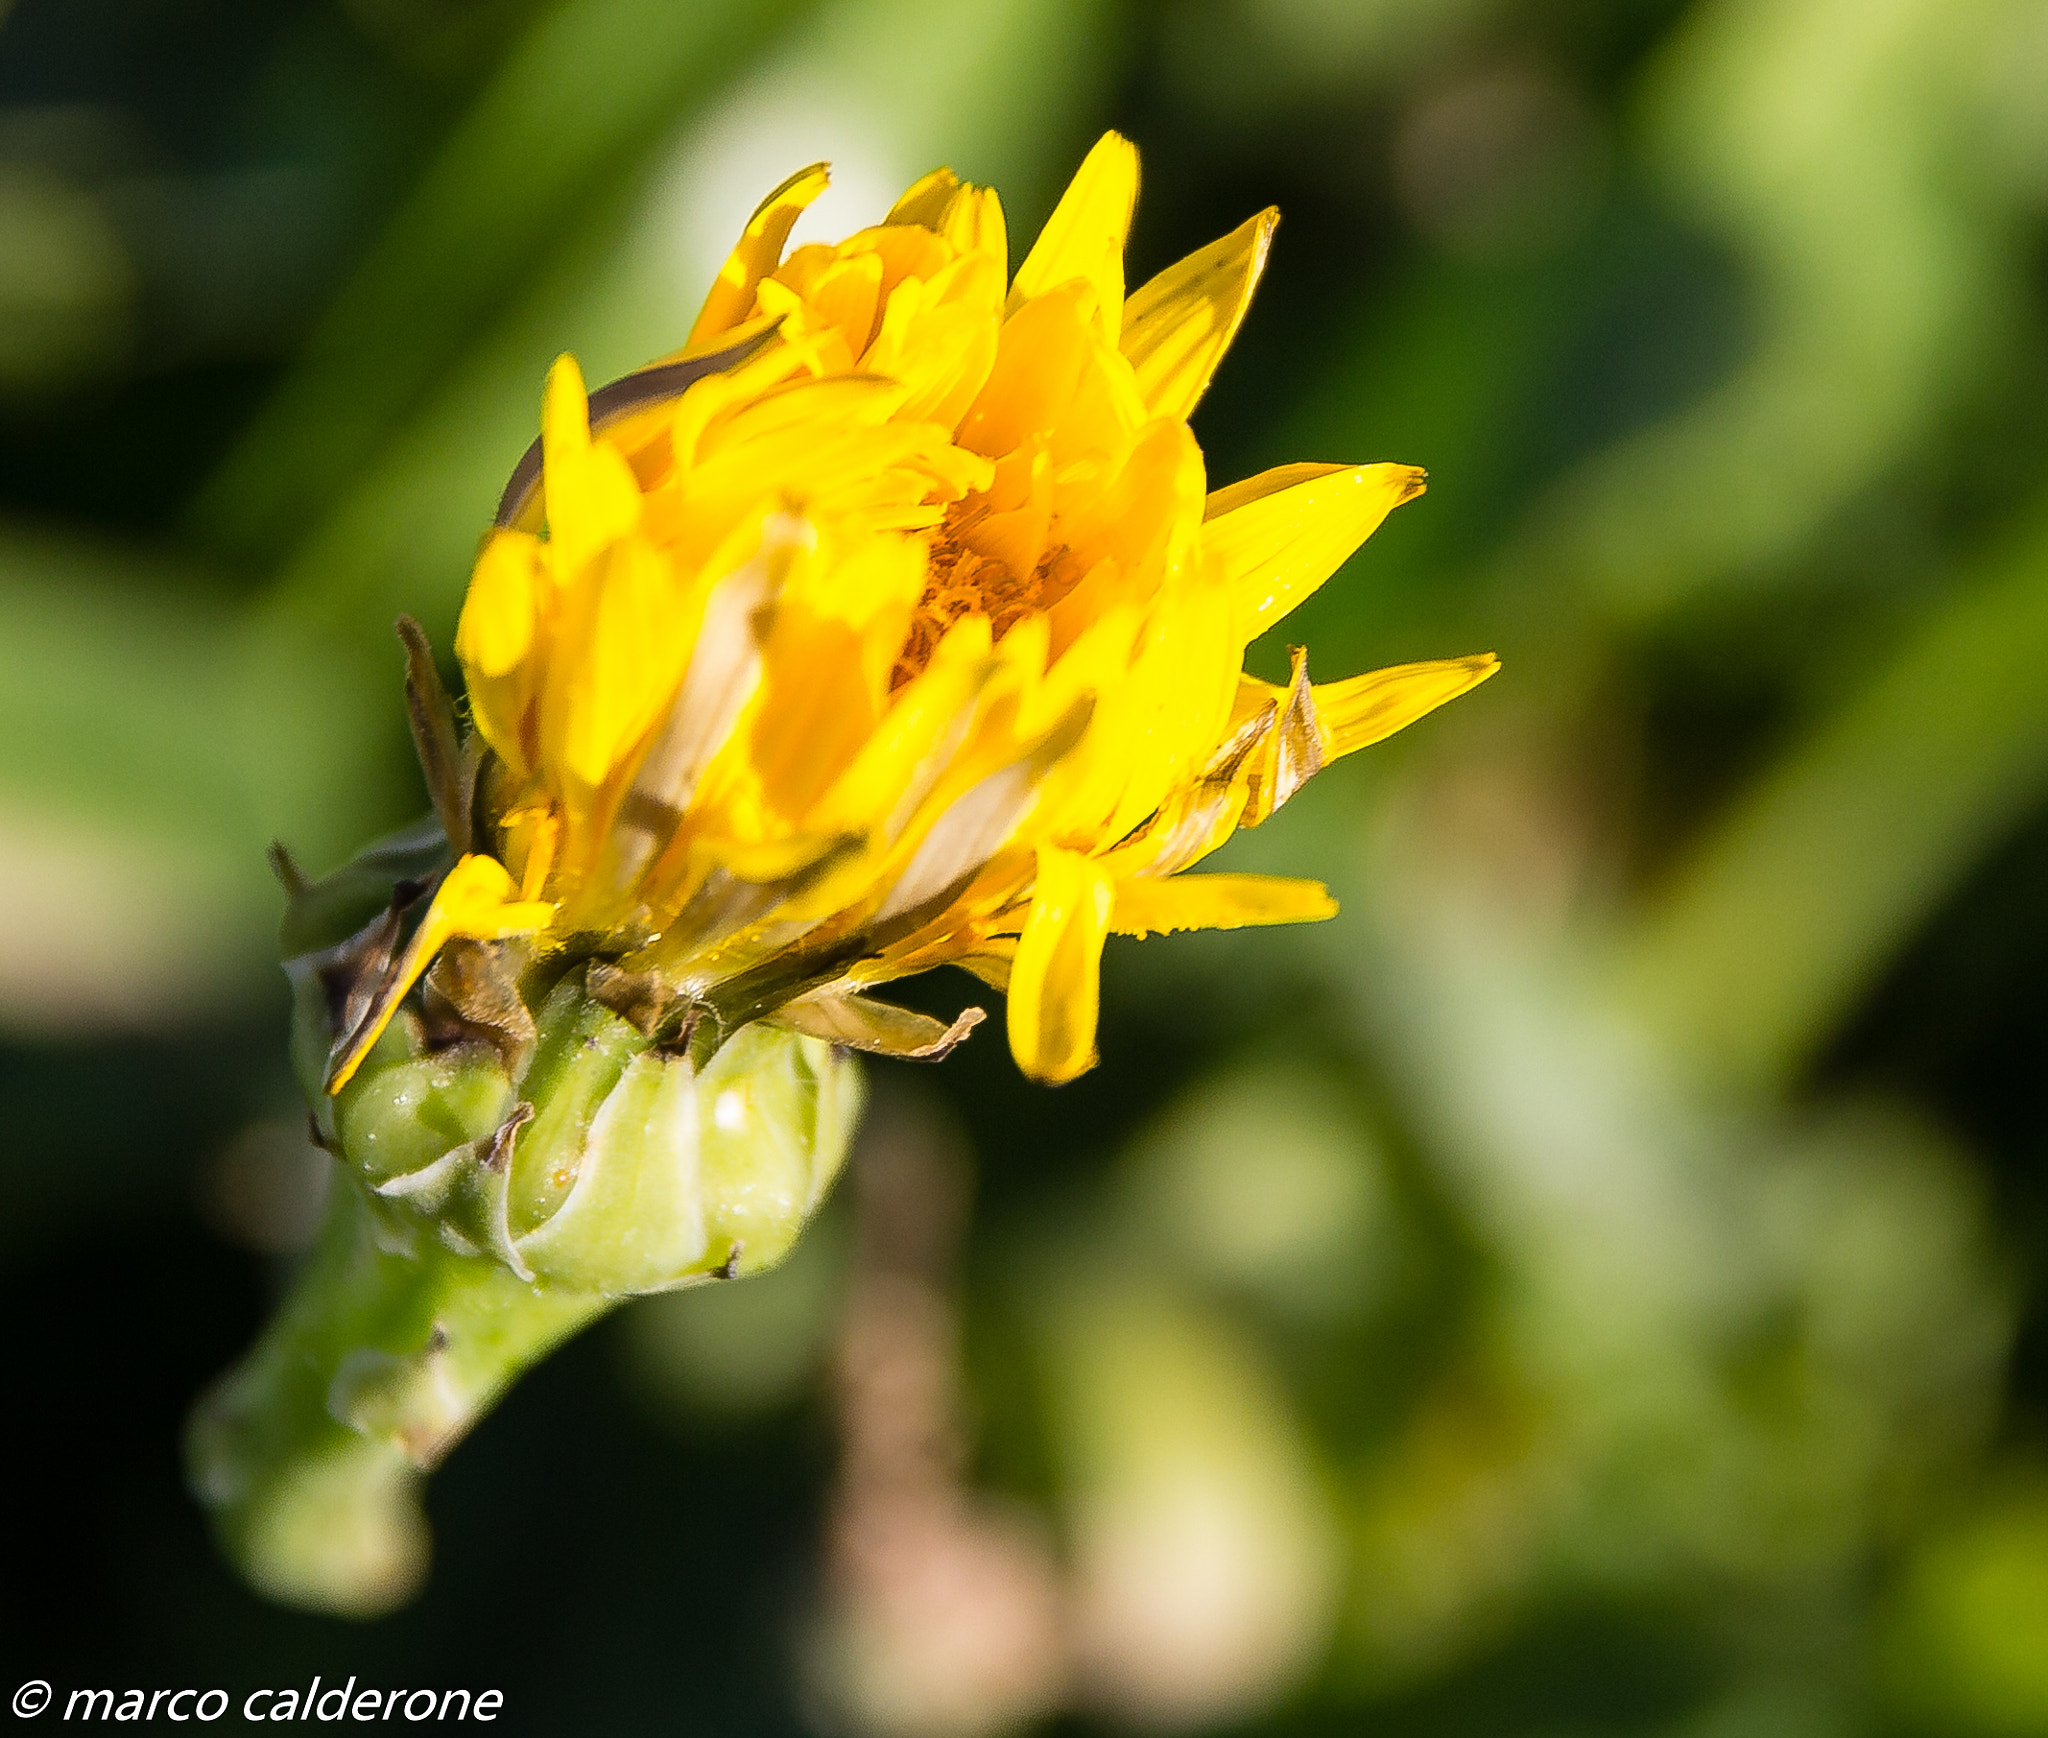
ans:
(969, 217)
(1275, 546)
(495, 634)
(758, 253)
(1084, 237)
(909, 748)
(623, 646)
(938, 337)
(592, 498)
(543, 833)
(1055, 984)
(1369, 708)
(495, 642)
(1149, 517)
(926, 200)
(1153, 906)
(847, 298)
(974, 224)
(1049, 380)
(564, 414)
(828, 661)
(772, 860)
(1177, 327)
(477, 899)
(1256, 488)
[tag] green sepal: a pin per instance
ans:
(611, 1164)
(322, 914)
(778, 1113)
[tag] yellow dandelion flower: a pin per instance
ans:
(893, 622)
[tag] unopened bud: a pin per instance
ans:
(609, 1163)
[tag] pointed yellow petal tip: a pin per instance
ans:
(1084, 238)
(925, 201)
(1178, 326)
(1278, 536)
(1355, 714)
(757, 253)
(565, 412)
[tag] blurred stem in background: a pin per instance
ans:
(1783, 914)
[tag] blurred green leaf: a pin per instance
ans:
(134, 882)
(1815, 876)
(568, 117)
(1813, 137)
(1968, 1634)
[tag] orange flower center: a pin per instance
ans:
(962, 581)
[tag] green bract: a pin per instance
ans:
(515, 1155)
(610, 1163)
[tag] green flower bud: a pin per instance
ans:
(609, 1163)
(522, 1148)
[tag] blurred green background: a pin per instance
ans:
(1597, 1285)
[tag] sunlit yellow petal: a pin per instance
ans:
(826, 681)
(938, 337)
(1178, 325)
(495, 640)
(1256, 488)
(1369, 708)
(1276, 548)
(591, 495)
(499, 615)
(1055, 982)
(760, 247)
(1084, 237)
(564, 416)
(1058, 387)
(974, 224)
(618, 662)
(898, 763)
(1159, 905)
(925, 201)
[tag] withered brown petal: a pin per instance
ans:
(642, 999)
(432, 716)
(845, 1017)
(352, 974)
(1298, 742)
(472, 992)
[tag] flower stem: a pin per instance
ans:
(309, 1453)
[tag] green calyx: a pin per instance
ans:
(502, 1182)
(610, 1163)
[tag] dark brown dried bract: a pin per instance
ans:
(472, 993)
